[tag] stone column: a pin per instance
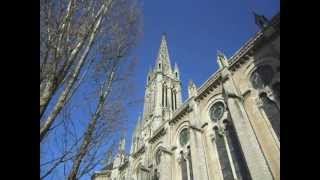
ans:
(253, 155)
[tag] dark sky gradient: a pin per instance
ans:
(195, 30)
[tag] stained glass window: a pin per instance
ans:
(238, 160)
(184, 137)
(216, 111)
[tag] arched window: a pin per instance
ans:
(260, 79)
(237, 157)
(163, 87)
(185, 162)
(166, 90)
(216, 111)
(175, 99)
(230, 155)
(172, 103)
(184, 137)
(223, 157)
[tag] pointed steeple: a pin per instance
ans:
(163, 60)
(260, 20)
(222, 60)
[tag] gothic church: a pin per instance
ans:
(227, 129)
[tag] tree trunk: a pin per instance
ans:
(105, 90)
(62, 98)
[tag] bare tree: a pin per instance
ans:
(69, 31)
(84, 41)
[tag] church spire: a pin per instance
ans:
(163, 60)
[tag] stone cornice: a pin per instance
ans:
(159, 133)
(180, 112)
(139, 152)
(210, 85)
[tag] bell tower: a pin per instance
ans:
(163, 89)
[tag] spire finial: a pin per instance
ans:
(260, 20)
(122, 143)
(192, 89)
(222, 59)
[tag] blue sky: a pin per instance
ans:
(195, 30)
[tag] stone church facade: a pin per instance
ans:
(227, 129)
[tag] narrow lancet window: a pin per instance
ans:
(190, 163)
(172, 105)
(175, 99)
(166, 96)
(162, 95)
(238, 160)
(223, 157)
